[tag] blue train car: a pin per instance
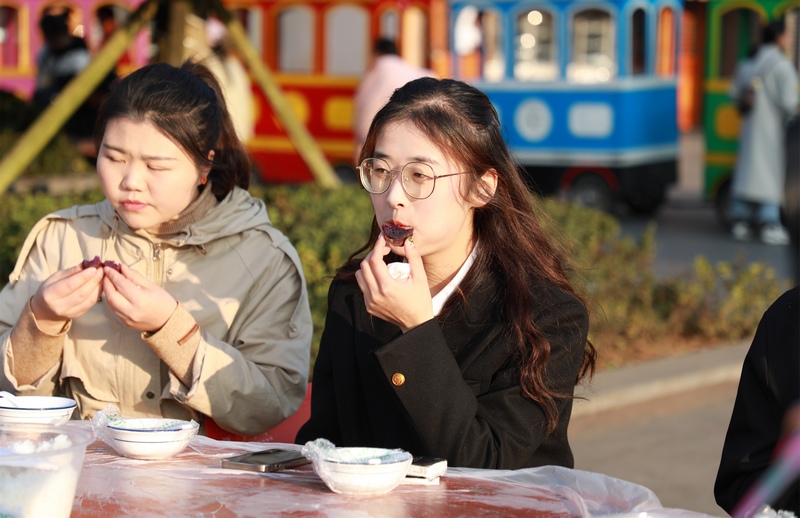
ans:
(586, 91)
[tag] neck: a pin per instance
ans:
(441, 271)
(204, 202)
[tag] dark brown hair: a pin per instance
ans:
(461, 121)
(186, 104)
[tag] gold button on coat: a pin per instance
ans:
(398, 379)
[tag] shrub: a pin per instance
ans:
(631, 307)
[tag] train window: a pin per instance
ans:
(477, 38)
(389, 23)
(638, 42)
(740, 35)
(665, 49)
(296, 40)
(9, 37)
(535, 50)
(252, 19)
(346, 30)
(593, 36)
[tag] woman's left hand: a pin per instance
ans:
(140, 304)
(405, 303)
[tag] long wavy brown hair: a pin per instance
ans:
(461, 121)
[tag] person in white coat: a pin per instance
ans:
(388, 72)
(769, 81)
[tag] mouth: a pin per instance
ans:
(133, 205)
(395, 234)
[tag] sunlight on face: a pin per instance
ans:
(443, 222)
(145, 175)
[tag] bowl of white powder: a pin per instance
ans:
(39, 468)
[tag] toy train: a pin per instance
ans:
(586, 90)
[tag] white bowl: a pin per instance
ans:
(152, 438)
(39, 468)
(37, 410)
(372, 471)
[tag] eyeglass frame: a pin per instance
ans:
(395, 172)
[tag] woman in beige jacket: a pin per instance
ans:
(198, 307)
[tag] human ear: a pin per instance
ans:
(488, 185)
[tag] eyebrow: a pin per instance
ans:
(146, 157)
(418, 158)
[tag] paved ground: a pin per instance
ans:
(661, 424)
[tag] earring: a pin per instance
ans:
(203, 180)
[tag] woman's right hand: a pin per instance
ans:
(65, 295)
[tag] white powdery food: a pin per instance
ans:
(42, 487)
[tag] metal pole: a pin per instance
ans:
(176, 31)
(71, 97)
(305, 145)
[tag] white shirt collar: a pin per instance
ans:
(440, 298)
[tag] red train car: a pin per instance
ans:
(317, 49)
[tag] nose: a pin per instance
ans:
(132, 177)
(396, 194)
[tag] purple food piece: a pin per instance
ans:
(396, 235)
(91, 263)
(114, 265)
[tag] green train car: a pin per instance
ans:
(733, 27)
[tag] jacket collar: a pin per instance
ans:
(236, 213)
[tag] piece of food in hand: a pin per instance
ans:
(91, 263)
(96, 262)
(114, 265)
(395, 234)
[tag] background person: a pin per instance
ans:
(387, 72)
(766, 408)
(232, 77)
(62, 57)
(473, 354)
(770, 80)
(167, 335)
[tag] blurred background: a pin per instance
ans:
(594, 96)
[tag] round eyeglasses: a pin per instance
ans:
(417, 178)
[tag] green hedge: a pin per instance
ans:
(628, 302)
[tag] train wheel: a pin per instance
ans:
(590, 190)
(722, 205)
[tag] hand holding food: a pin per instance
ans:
(65, 295)
(139, 303)
(99, 263)
(405, 303)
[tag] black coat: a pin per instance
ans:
(448, 388)
(769, 385)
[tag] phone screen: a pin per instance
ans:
(267, 460)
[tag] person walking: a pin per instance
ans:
(388, 72)
(765, 89)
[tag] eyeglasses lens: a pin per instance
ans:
(418, 179)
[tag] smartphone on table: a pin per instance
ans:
(271, 460)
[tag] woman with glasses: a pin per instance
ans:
(458, 335)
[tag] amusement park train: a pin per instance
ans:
(587, 90)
